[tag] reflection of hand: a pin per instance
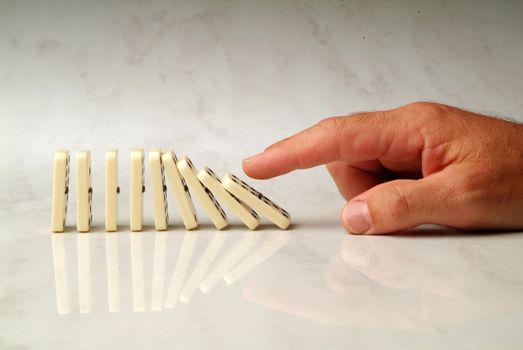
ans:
(340, 297)
(398, 283)
(395, 264)
(470, 281)
(468, 168)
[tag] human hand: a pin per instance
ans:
(416, 164)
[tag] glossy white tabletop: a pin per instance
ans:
(219, 81)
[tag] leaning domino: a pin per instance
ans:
(60, 191)
(159, 190)
(203, 194)
(181, 191)
(84, 192)
(137, 189)
(257, 201)
(111, 190)
(244, 213)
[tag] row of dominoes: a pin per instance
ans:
(244, 201)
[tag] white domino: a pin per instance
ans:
(60, 191)
(159, 190)
(257, 201)
(112, 190)
(240, 209)
(181, 191)
(137, 189)
(84, 192)
(243, 200)
(203, 194)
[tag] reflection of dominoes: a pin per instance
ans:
(209, 267)
(203, 194)
(213, 182)
(60, 191)
(181, 191)
(203, 266)
(161, 216)
(84, 191)
(244, 201)
(137, 189)
(275, 243)
(111, 190)
(256, 200)
(180, 270)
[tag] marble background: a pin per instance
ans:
(218, 81)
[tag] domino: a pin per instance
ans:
(181, 190)
(111, 190)
(137, 189)
(203, 194)
(210, 180)
(243, 200)
(84, 191)
(161, 216)
(257, 201)
(60, 191)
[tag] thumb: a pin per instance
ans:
(396, 205)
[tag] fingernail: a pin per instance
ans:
(251, 158)
(356, 216)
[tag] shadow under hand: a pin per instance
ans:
(445, 231)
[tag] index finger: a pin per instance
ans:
(355, 138)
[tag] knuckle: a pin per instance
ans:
(390, 206)
(420, 105)
(333, 123)
(398, 204)
(427, 110)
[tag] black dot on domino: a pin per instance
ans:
(213, 175)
